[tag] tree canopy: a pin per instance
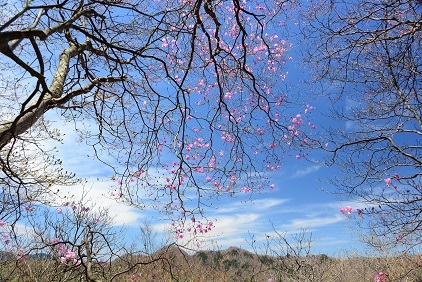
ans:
(186, 86)
(186, 102)
(181, 94)
(367, 59)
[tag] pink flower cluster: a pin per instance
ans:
(28, 208)
(346, 210)
(389, 181)
(69, 256)
(5, 236)
(195, 227)
(66, 255)
(381, 277)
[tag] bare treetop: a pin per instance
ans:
(367, 57)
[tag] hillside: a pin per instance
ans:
(173, 263)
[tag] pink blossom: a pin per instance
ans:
(138, 173)
(346, 210)
(62, 259)
(381, 277)
(59, 211)
(76, 262)
(28, 208)
(69, 256)
(165, 42)
(246, 189)
(387, 181)
(2, 223)
(211, 163)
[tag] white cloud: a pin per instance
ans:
(233, 224)
(235, 218)
(255, 205)
(312, 222)
(23, 230)
(232, 230)
(306, 171)
(97, 194)
(77, 157)
(236, 224)
(264, 204)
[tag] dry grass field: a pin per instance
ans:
(173, 264)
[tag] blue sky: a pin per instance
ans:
(297, 202)
(300, 201)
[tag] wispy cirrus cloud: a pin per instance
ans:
(311, 222)
(263, 204)
(306, 171)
